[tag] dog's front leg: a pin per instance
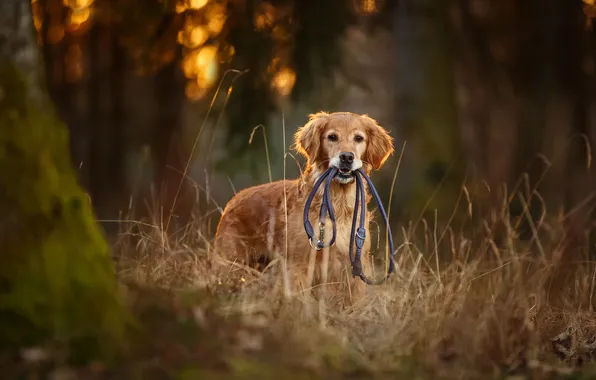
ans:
(357, 286)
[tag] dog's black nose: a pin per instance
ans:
(346, 157)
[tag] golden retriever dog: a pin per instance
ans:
(260, 223)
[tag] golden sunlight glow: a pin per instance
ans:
(590, 2)
(260, 21)
(193, 91)
(284, 81)
(79, 17)
(193, 38)
(206, 78)
(78, 4)
(216, 16)
(200, 62)
(368, 6)
(37, 11)
(189, 64)
(197, 4)
(265, 17)
(198, 36)
(216, 24)
(205, 56)
(207, 66)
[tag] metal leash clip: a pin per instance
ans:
(319, 246)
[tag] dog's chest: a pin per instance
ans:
(343, 209)
(342, 240)
(343, 232)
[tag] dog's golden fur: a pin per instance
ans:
(253, 226)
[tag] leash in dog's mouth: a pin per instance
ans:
(346, 172)
(357, 235)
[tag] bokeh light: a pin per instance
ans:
(78, 17)
(207, 66)
(77, 4)
(366, 7)
(284, 81)
(204, 21)
(265, 16)
(197, 4)
(194, 92)
(216, 18)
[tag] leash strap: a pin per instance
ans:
(357, 235)
(375, 194)
(361, 232)
(326, 206)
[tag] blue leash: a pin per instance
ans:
(357, 235)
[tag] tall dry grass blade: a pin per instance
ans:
(197, 138)
(535, 236)
(266, 147)
(285, 274)
(436, 246)
(401, 154)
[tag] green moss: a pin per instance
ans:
(56, 275)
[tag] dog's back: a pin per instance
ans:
(252, 224)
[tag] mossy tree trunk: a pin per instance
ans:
(57, 283)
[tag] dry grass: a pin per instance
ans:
(497, 306)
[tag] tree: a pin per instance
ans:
(427, 109)
(56, 275)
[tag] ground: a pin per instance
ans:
(500, 309)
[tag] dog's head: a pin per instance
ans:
(345, 141)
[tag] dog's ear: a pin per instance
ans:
(307, 139)
(380, 143)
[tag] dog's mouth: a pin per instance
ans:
(344, 175)
(345, 172)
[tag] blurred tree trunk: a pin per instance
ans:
(56, 276)
(170, 150)
(532, 77)
(558, 108)
(489, 117)
(99, 122)
(105, 119)
(116, 161)
(575, 80)
(426, 106)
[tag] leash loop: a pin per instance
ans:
(357, 235)
(326, 207)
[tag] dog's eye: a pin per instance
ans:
(332, 137)
(358, 138)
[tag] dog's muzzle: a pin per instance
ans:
(345, 167)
